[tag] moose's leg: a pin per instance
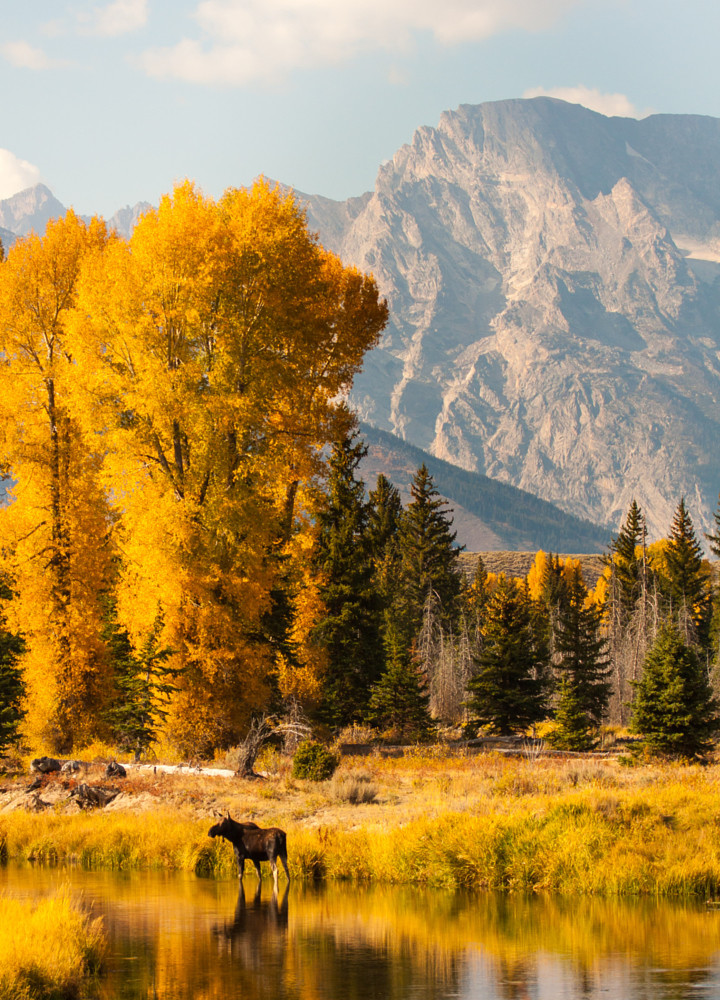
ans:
(283, 859)
(273, 864)
(258, 869)
(240, 863)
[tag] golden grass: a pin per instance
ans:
(582, 826)
(48, 949)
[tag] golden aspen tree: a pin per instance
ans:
(55, 533)
(214, 344)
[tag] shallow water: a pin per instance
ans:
(177, 936)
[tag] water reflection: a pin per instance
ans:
(176, 937)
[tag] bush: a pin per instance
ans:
(314, 761)
(354, 787)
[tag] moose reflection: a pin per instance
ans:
(259, 923)
(254, 844)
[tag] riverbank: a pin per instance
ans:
(483, 822)
(49, 948)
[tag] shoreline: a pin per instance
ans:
(481, 822)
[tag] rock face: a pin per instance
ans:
(487, 515)
(29, 210)
(553, 277)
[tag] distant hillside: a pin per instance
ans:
(518, 564)
(488, 515)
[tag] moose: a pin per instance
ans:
(254, 844)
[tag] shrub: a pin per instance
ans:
(355, 787)
(314, 761)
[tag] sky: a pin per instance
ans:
(110, 102)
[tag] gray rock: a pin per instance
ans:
(44, 765)
(72, 766)
(553, 278)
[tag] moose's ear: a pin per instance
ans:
(228, 814)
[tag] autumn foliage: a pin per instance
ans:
(166, 400)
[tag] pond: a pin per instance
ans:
(174, 937)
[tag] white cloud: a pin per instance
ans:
(607, 104)
(116, 18)
(245, 40)
(26, 56)
(15, 174)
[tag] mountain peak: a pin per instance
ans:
(553, 277)
(30, 210)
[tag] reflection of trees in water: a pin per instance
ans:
(321, 960)
(173, 938)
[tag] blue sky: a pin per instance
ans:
(109, 102)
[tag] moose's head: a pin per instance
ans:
(223, 828)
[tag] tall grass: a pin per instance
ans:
(584, 827)
(48, 949)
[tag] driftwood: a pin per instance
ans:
(92, 796)
(293, 729)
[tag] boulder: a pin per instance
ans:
(44, 765)
(115, 770)
(92, 796)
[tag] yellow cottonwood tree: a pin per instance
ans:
(55, 533)
(214, 344)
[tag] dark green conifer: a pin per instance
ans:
(428, 559)
(399, 700)
(686, 584)
(11, 684)
(350, 628)
(553, 585)
(509, 690)
(574, 730)
(144, 684)
(383, 527)
(627, 566)
(674, 709)
(582, 663)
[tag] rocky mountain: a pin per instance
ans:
(32, 209)
(29, 210)
(553, 278)
(488, 516)
(125, 219)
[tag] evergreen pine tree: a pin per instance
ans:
(11, 685)
(627, 567)
(509, 690)
(428, 561)
(574, 729)
(686, 584)
(553, 585)
(674, 709)
(143, 682)
(349, 630)
(581, 660)
(383, 525)
(399, 700)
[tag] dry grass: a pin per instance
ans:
(48, 949)
(576, 826)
